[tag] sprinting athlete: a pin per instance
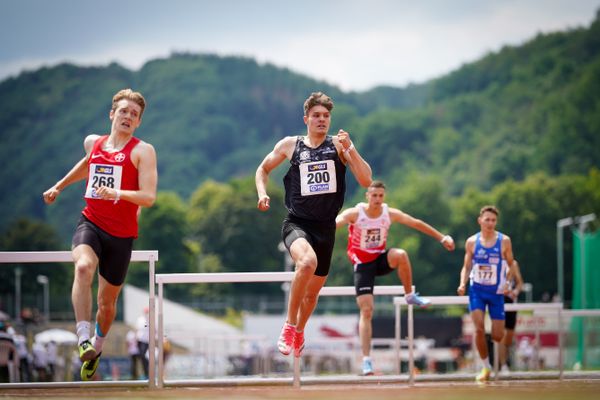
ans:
(488, 255)
(315, 185)
(121, 177)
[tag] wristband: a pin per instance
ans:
(118, 196)
(445, 238)
(349, 148)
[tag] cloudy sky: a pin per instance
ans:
(355, 44)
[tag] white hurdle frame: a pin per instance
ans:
(237, 277)
(149, 256)
(390, 290)
(464, 300)
(225, 277)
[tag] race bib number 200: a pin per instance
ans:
(103, 175)
(317, 177)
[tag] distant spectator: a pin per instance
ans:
(24, 357)
(143, 338)
(510, 321)
(134, 353)
(40, 361)
(8, 355)
(52, 352)
(525, 352)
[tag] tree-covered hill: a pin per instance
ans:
(523, 120)
(207, 116)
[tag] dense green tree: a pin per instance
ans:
(517, 128)
(31, 235)
(164, 227)
(226, 222)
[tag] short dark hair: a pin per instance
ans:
(318, 99)
(491, 209)
(377, 185)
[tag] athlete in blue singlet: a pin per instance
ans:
(487, 257)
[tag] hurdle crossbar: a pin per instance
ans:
(382, 290)
(23, 257)
(225, 277)
(351, 290)
(149, 256)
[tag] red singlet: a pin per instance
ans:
(114, 170)
(367, 236)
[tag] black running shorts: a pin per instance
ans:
(114, 253)
(320, 235)
(364, 274)
(510, 317)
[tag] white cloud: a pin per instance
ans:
(353, 44)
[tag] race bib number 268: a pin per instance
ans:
(103, 175)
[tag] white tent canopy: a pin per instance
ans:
(60, 336)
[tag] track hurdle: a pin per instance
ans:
(149, 256)
(390, 290)
(225, 277)
(162, 279)
(464, 300)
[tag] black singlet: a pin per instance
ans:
(315, 183)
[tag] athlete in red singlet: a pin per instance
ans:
(369, 225)
(121, 177)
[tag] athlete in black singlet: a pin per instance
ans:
(314, 194)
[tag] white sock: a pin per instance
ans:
(366, 358)
(486, 363)
(408, 294)
(83, 331)
(98, 342)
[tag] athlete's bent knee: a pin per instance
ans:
(366, 313)
(84, 270)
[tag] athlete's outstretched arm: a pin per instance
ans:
(422, 226)
(270, 162)
(348, 216)
(466, 268)
(77, 173)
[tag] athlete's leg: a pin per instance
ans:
(398, 260)
(309, 302)
(107, 305)
(478, 321)
(497, 329)
(305, 261)
(86, 261)
(505, 345)
(365, 327)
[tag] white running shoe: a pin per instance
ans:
(417, 300)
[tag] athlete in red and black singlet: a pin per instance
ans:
(367, 237)
(315, 184)
(114, 170)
